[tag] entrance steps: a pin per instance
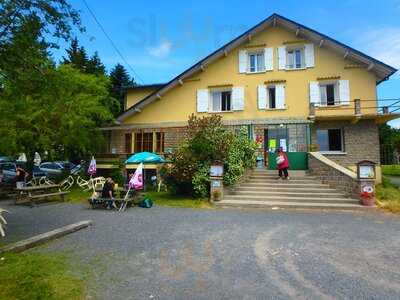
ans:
(264, 190)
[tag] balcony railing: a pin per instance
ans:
(359, 107)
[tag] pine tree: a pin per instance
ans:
(76, 56)
(120, 80)
(95, 66)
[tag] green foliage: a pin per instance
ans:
(388, 196)
(117, 176)
(38, 276)
(120, 80)
(207, 141)
(391, 170)
(76, 56)
(171, 200)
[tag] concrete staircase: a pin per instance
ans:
(263, 190)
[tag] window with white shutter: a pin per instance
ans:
(202, 100)
(238, 98)
(309, 56)
(262, 96)
(344, 92)
(282, 58)
(280, 96)
(269, 59)
(315, 94)
(243, 61)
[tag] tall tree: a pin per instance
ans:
(76, 56)
(120, 80)
(95, 66)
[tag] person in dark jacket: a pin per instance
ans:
(20, 177)
(108, 193)
(282, 163)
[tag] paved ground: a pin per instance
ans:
(163, 253)
(394, 180)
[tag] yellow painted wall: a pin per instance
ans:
(179, 103)
(134, 95)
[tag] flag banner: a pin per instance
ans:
(92, 167)
(136, 181)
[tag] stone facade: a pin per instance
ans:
(361, 141)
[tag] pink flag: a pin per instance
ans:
(136, 181)
(92, 167)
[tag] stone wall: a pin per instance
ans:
(361, 141)
(333, 174)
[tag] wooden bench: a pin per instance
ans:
(107, 203)
(33, 193)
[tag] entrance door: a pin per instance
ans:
(293, 139)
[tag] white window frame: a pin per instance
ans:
(342, 150)
(211, 104)
(336, 93)
(302, 58)
(259, 55)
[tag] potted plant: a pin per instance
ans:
(367, 199)
(216, 196)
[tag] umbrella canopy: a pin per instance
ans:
(146, 158)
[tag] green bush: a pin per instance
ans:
(391, 170)
(207, 141)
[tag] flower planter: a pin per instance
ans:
(367, 199)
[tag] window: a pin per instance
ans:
(221, 101)
(329, 93)
(256, 62)
(160, 142)
(295, 58)
(144, 142)
(128, 143)
(330, 139)
(271, 92)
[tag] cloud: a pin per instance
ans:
(162, 50)
(382, 44)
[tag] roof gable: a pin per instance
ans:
(382, 70)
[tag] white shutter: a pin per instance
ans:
(202, 100)
(269, 59)
(262, 96)
(309, 55)
(243, 61)
(282, 58)
(238, 98)
(280, 96)
(344, 92)
(315, 95)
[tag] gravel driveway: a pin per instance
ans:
(165, 253)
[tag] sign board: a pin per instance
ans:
(367, 172)
(216, 183)
(216, 171)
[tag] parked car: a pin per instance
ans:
(56, 168)
(9, 170)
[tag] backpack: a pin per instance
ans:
(146, 203)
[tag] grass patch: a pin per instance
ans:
(388, 196)
(391, 170)
(38, 276)
(166, 199)
(77, 195)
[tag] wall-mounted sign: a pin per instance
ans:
(216, 171)
(215, 183)
(367, 172)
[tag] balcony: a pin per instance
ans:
(380, 110)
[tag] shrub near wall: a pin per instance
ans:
(208, 140)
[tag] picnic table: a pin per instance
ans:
(32, 194)
(119, 202)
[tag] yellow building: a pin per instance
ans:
(292, 87)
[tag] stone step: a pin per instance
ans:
(292, 198)
(284, 184)
(275, 176)
(281, 204)
(316, 194)
(282, 189)
(275, 172)
(278, 181)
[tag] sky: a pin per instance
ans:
(160, 39)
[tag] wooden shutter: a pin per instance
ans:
(344, 91)
(238, 98)
(202, 100)
(309, 55)
(262, 96)
(280, 96)
(128, 143)
(315, 95)
(282, 58)
(243, 61)
(269, 59)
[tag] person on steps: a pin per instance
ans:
(282, 163)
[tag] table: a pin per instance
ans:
(30, 194)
